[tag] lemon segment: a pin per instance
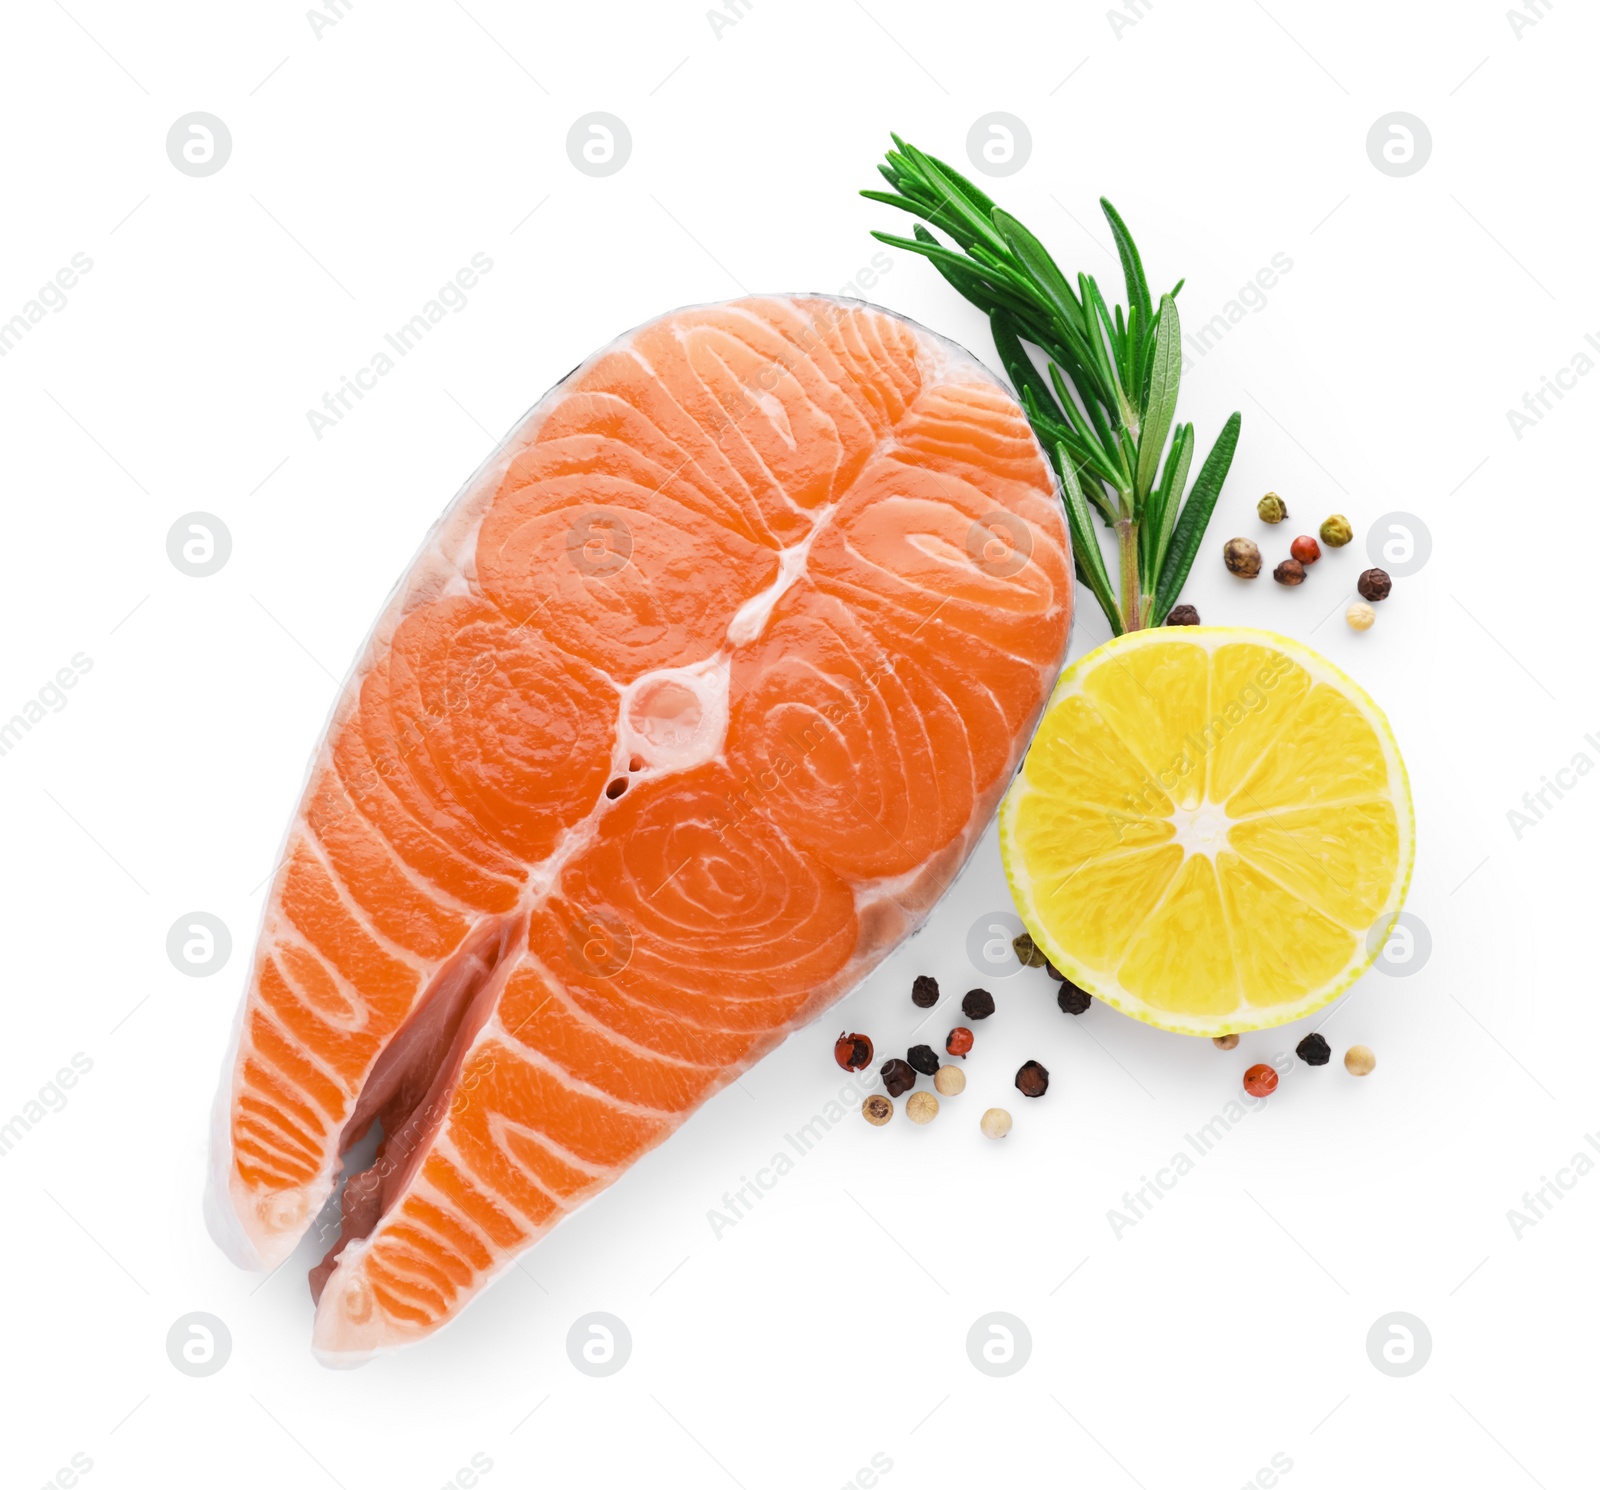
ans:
(1209, 823)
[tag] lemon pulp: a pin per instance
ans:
(1212, 830)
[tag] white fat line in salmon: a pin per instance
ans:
(740, 1202)
(403, 340)
(742, 799)
(51, 696)
(808, 339)
(51, 1098)
(1153, 803)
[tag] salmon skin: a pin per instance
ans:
(692, 705)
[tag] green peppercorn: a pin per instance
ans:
(1272, 508)
(1027, 954)
(1336, 531)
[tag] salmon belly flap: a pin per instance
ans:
(697, 698)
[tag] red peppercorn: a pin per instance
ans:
(958, 1041)
(1306, 549)
(1261, 1081)
(853, 1052)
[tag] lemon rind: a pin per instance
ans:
(1239, 1021)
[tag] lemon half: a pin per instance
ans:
(1212, 830)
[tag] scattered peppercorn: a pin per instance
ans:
(1313, 1050)
(1359, 1060)
(1072, 999)
(1374, 584)
(897, 1076)
(1032, 1079)
(925, 991)
(877, 1109)
(1360, 616)
(1261, 1081)
(959, 1041)
(923, 1058)
(922, 1107)
(1054, 971)
(995, 1123)
(950, 1082)
(1183, 615)
(978, 1003)
(1225, 1042)
(1306, 549)
(1028, 954)
(1272, 508)
(1242, 558)
(1336, 530)
(1290, 572)
(853, 1052)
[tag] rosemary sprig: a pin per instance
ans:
(1105, 407)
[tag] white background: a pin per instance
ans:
(368, 166)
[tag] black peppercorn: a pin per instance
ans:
(1055, 972)
(925, 991)
(1183, 615)
(897, 1077)
(1374, 584)
(978, 1004)
(1027, 954)
(1032, 1079)
(1313, 1050)
(1290, 572)
(1072, 999)
(923, 1058)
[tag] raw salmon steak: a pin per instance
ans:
(693, 704)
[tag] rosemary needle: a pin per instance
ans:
(1105, 407)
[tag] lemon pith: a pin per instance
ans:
(1212, 830)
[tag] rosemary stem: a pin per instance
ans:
(1128, 546)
